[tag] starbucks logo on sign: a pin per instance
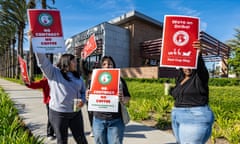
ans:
(45, 19)
(105, 78)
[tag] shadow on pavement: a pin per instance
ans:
(136, 128)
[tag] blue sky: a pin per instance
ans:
(218, 18)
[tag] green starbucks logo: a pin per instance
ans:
(45, 19)
(105, 78)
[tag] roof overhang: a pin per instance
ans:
(132, 15)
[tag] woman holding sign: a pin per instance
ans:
(67, 90)
(192, 118)
(108, 127)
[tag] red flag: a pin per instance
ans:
(89, 47)
(23, 67)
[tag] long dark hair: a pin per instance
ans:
(181, 75)
(64, 66)
(109, 58)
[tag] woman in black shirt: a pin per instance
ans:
(192, 118)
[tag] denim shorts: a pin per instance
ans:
(192, 125)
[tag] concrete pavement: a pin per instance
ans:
(33, 111)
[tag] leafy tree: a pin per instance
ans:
(234, 60)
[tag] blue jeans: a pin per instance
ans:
(108, 131)
(192, 125)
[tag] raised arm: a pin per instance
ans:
(201, 67)
(37, 85)
(45, 65)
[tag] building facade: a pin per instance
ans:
(111, 40)
(134, 41)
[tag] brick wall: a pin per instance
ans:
(140, 72)
(142, 31)
(149, 72)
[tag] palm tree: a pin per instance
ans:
(3, 54)
(8, 39)
(6, 54)
(16, 12)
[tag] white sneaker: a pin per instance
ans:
(51, 137)
(91, 134)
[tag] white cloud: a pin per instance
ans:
(188, 11)
(179, 7)
(110, 8)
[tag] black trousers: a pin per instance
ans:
(50, 130)
(62, 121)
(90, 116)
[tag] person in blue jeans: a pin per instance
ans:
(108, 127)
(192, 118)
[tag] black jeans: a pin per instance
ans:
(50, 131)
(62, 121)
(90, 116)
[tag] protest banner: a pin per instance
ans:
(104, 90)
(89, 47)
(179, 33)
(23, 68)
(46, 28)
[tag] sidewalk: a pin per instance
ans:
(33, 111)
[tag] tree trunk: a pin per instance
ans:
(7, 61)
(20, 47)
(31, 64)
(13, 58)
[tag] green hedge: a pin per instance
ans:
(149, 103)
(12, 128)
(212, 81)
